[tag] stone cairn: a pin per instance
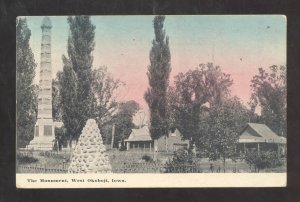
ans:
(89, 155)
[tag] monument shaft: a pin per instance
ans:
(45, 83)
(44, 128)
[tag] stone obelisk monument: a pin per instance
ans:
(44, 127)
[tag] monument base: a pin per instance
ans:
(44, 136)
(41, 143)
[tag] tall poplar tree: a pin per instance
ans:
(158, 75)
(81, 43)
(25, 72)
(68, 91)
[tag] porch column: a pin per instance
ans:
(244, 147)
(150, 146)
(258, 148)
(128, 145)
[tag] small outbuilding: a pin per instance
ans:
(172, 142)
(260, 137)
(139, 139)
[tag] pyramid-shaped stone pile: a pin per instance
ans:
(89, 155)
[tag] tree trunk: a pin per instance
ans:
(112, 137)
(70, 146)
(166, 143)
(224, 164)
(155, 149)
(70, 143)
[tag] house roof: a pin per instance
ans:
(141, 134)
(255, 132)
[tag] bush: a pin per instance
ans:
(55, 155)
(183, 160)
(45, 153)
(122, 148)
(265, 159)
(147, 158)
(24, 159)
(182, 156)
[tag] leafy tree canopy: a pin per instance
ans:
(104, 95)
(221, 129)
(192, 95)
(26, 91)
(269, 91)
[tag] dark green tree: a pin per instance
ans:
(35, 99)
(81, 43)
(192, 95)
(104, 94)
(68, 91)
(269, 91)
(221, 129)
(158, 76)
(124, 119)
(56, 98)
(26, 97)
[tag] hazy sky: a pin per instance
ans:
(239, 44)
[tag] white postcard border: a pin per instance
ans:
(37, 181)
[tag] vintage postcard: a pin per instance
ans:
(151, 101)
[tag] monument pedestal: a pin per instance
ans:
(44, 137)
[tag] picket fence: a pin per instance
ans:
(121, 168)
(39, 169)
(154, 168)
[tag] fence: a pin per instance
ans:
(155, 168)
(124, 168)
(39, 169)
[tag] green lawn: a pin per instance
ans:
(119, 158)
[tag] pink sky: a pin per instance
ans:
(123, 44)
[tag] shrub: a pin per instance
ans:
(182, 156)
(265, 159)
(24, 159)
(122, 148)
(250, 157)
(147, 158)
(55, 155)
(183, 160)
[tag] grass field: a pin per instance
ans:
(119, 159)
